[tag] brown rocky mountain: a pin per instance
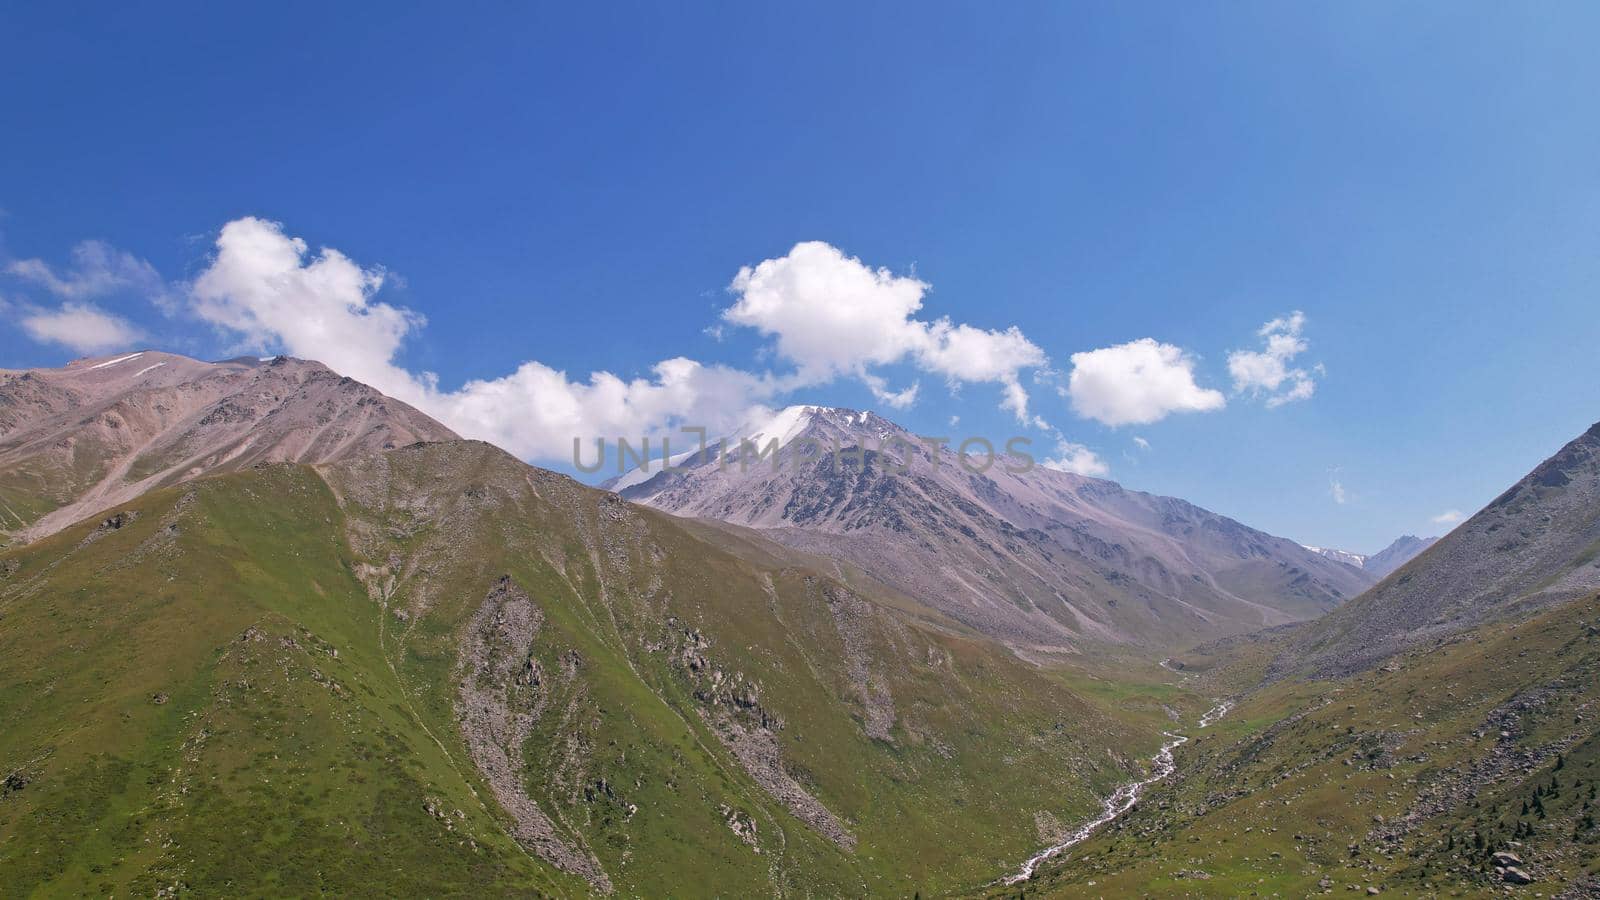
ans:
(1536, 545)
(99, 432)
(1042, 559)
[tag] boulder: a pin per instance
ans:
(1504, 859)
(1514, 875)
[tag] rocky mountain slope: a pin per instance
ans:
(1042, 559)
(405, 672)
(99, 432)
(1437, 736)
(1536, 545)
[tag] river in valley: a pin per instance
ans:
(1123, 798)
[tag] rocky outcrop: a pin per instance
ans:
(851, 618)
(730, 705)
(499, 698)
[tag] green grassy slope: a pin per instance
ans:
(1407, 778)
(252, 685)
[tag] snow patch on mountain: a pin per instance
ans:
(1344, 556)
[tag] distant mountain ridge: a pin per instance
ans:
(1404, 549)
(1344, 556)
(1379, 564)
(102, 431)
(1043, 559)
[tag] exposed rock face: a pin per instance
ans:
(850, 615)
(100, 432)
(731, 707)
(1042, 559)
(500, 698)
(1534, 546)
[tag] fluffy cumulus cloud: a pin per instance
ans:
(1137, 383)
(1270, 372)
(537, 411)
(1448, 517)
(97, 270)
(831, 316)
(267, 290)
(81, 327)
(1077, 459)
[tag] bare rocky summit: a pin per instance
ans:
(99, 432)
(1042, 559)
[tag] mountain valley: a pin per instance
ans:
(265, 630)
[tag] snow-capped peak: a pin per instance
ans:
(782, 427)
(1344, 556)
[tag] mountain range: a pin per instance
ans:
(1436, 736)
(415, 668)
(1045, 560)
(264, 630)
(1379, 564)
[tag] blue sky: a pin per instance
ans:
(573, 190)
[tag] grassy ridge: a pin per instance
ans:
(249, 687)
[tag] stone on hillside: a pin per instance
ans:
(1514, 875)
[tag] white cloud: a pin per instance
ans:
(831, 316)
(1448, 517)
(536, 411)
(1077, 459)
(82, 327)
(901, 399)
(1137, 383)
(1141, 442)
(97, 270)
(1337, 491)
(1268, 372)
(265, 288)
